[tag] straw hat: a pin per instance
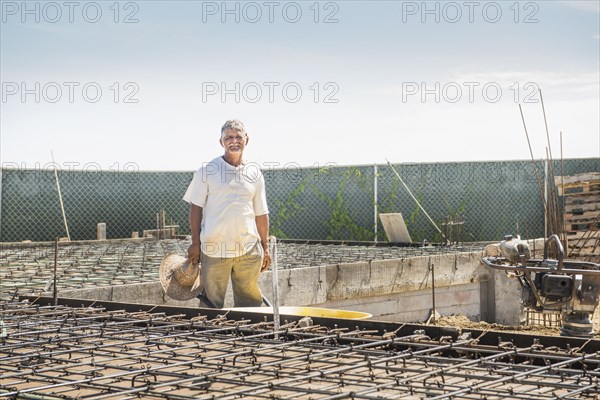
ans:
(180, 279)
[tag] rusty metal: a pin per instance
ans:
(433, 310)
(55, 275)
(565, 287)
(26, 268)
(109, 350)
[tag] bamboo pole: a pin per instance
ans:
(562, 184)
(62, 208)
(415, 199)
(537, 176)
(556, 226)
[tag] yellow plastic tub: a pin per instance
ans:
(306, 312)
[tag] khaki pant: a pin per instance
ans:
(243, 272)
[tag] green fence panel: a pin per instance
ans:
(333, 202)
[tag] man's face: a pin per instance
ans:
(233, 141)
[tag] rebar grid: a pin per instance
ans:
(27, 269)
(95, 353)
(533, 317)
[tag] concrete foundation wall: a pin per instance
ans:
(394, 290)
(416, 305)
(507, 303)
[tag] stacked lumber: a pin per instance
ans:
(581, 214)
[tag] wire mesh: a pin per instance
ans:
(494, 198)
(28, 268)
(543, 319)
(94, 353)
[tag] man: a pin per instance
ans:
(230, 222)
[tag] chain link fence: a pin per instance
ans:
(336, 203)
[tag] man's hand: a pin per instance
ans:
(194, 253)
(262, 225)
(266, 260)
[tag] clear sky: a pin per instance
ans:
(147, 84)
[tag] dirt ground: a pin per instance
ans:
(460, 321)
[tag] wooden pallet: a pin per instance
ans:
(580, 184)
(581, 226)
(576, 235)
(584, 244)
(580, 204)
(571, 201)
(581, 213)
(581, 196)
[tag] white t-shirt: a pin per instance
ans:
(230, 197)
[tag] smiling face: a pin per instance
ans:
(234, 142)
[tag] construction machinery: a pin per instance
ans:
(552, 285)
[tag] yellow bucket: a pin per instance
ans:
(306, 312)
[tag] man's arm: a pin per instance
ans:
(195, 224)
(262, 224)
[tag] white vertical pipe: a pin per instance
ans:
(273, 251)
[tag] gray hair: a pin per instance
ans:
(233, 124)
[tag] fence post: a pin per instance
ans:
(1, 239)
(546, 198)
(375, 202)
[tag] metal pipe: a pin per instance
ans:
(55, 289)
(275, 283)
(495, 262)
(559, 248)
(433, 291)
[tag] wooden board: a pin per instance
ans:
(593, 257)
(395, 228)
(582, 199)
(581, 226)
(585, 244)
(579, 217)
(581, 208)
(585, 183)
(584, 190)
(577, 178)
(583, 234)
